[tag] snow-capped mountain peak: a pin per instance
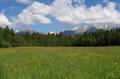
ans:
(90, 28)
(25, 30)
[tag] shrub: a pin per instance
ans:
(4, 44)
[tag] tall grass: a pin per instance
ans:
(60, 63)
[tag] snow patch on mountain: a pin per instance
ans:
(25, 30)
(90, 28)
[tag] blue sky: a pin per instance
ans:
(13, 8)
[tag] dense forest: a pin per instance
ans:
(8, 38)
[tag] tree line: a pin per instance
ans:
(8, 38)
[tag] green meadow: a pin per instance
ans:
(60, 63)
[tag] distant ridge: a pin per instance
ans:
(77, 30)
(25, 30)
(88, 28)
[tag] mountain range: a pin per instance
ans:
(76, 30)
(89, 28)
(25, 30)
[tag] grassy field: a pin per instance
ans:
(60, 63)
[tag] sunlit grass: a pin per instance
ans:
(60, 63)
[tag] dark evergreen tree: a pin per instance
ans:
(9, 38)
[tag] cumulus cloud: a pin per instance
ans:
(25, 1)
(67, 14)
(36, 13)
(105, 1)
(3, 20)
(81, 2)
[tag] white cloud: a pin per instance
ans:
(81, 14)
(36, 13)
(65, 13)
(81, 2)
(105, 1)
(4, 21)
(25, 1)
